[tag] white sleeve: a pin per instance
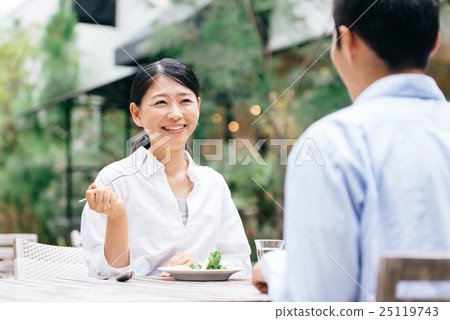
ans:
(93, 229)
(274, 269)
(232, 239)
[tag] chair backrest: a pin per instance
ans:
(42, 261)
(75, 240)
(7, 252)
(392, 270)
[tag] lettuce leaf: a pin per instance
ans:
(195, 266)
(214, 260)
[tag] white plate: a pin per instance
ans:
(200, 275)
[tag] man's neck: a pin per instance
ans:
(376, 73)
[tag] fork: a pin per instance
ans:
(123, 175)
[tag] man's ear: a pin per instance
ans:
(136, 114)
(436, 45)
(348, 40)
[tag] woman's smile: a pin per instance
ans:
(174, 129)
(168, 108)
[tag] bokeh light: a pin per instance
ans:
(255, 110)
(233, 126)
(216, 118)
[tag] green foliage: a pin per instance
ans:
(59, 54)
(15, 48)
(15, 204)
(32, 147)
(263, 6)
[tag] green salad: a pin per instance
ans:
(213, 262)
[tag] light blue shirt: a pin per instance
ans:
(376, 182)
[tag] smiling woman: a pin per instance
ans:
(165, 210)
(159, 87)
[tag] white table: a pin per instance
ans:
(136, 289)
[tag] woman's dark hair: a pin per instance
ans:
(143, 80)
(401, 32)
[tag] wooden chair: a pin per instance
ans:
(392, 270)
(43, 261)
(7, 252)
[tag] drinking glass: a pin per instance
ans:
(266, 245)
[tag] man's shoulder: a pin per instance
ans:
(342, 120)
(340, 132)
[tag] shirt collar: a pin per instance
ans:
(144, 161)
(402, 85)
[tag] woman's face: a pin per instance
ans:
(168, 112)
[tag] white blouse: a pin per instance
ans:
(155, 227)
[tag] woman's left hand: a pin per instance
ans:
(180, 258)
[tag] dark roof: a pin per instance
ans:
(115, 94)
(142, 47)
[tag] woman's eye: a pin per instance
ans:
(186, 101)
(160, 102)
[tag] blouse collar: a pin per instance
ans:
(143, 160)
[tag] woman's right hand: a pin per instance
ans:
(105, 200)
(178, 259)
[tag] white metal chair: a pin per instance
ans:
(75, 240)
(7, 252)
(42, 261)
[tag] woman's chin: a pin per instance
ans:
(176, 147)
(173, 144)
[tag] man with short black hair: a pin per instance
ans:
(385, 184)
